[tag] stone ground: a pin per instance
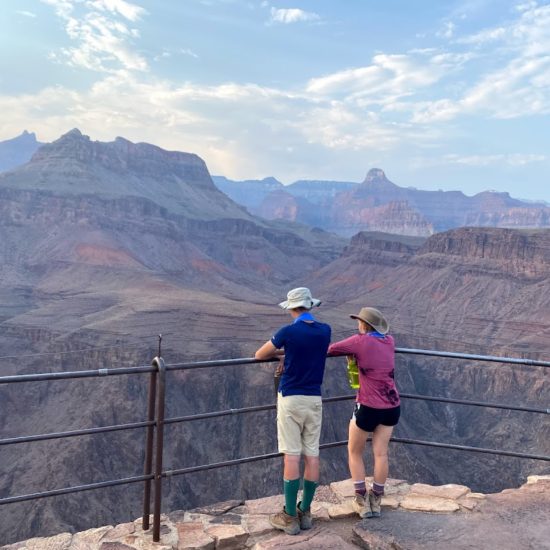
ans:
(414, 517)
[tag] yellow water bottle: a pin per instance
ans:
(353, 372)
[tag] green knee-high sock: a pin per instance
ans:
(291, 487)
(308, 494)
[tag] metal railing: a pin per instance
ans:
(155, 423)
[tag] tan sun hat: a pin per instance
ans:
(299, 297)
(374, 318)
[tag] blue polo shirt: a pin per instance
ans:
(305, 346)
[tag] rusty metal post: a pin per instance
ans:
(149, 436)
(161, 387)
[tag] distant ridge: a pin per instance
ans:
(75, 164)
(378, 204)
(18, 150)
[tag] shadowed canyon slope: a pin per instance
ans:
(377, 204)
(104, 246)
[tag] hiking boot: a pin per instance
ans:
(285, 522)
(375, 502)
(306, 522)
(361, 506)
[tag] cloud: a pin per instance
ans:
(525, 6)
(26, 13)
(167, 53)
(292, 15)
(389, 78)
(189, 52)
(126, 9)
(102, 37)
(447, 31)
(499, 159)
(518, 82)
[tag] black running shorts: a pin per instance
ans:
(368, 418)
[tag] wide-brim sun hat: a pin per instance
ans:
(374, 318)
(299, 297)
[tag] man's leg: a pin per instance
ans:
(311, 480)
(288, 435)
(291, 482)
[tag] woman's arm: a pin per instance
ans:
(347, 346)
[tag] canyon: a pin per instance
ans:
(106, 245)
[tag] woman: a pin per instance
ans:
(377, 406)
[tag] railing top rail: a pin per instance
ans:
(475, 357)
(66, 375)
(411, 351)
(38, 377)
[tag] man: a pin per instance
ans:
(299, 407)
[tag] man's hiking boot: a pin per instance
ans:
(285, 522)
(361, 506)
(306, 521)
(375, 502)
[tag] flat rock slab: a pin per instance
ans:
(267, 505)
(450, 490)
(320, 540)
(507, 521)
(420, 503)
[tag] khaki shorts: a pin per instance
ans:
(299, 419)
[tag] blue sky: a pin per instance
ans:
(441, 95)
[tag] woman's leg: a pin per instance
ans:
(380, 441)
(356, 445)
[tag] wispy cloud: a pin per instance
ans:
(447, 31)
(500, 159)
(130, 11)
(167, 54)
(515, 159)
(389, 77)
(26, 13)
(519, 86)
(292, 15)
(189, 52)
(103, 40)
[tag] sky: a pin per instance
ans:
(440, 95)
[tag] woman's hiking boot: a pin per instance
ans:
(375, 502)
(361, 505)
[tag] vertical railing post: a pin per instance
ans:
(149, 436)
(161, 387)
